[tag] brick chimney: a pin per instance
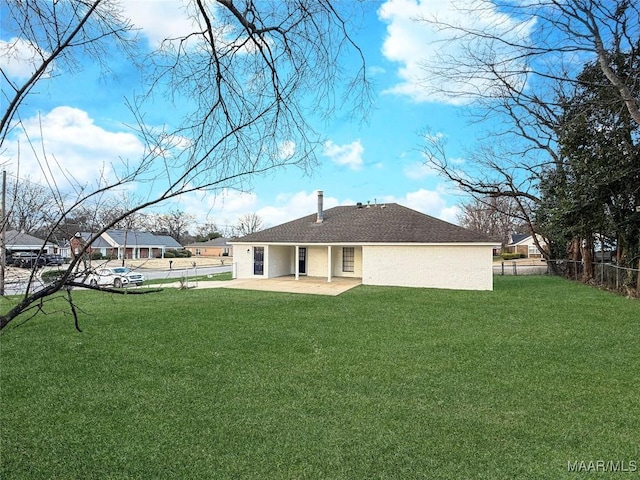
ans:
(320, 216)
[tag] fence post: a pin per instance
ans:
(503, 269)
(515, 271)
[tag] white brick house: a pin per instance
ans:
(384, 244)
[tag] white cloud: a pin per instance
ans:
(289, 206)
(223, 207)
(286, 150)
(19, 59)
(159, 20)
(412, 42)
(77, 150)
(451, 214)
(227, 207)
(427, 201)
(349, 155)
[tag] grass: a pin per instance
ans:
(195, 278)
(376, 383)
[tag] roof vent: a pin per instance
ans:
(359, 205)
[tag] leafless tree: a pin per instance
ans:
(207, 231)
(497, 176)
(58, 38)
(543, 45)
(496, 217)
(248, 223)
(28, 205)
(242, 82)
(116, 207)
(175, 223)
(515, 64)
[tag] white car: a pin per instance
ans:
(115, 276)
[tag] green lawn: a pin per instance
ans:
(376, 383)
(192, 279)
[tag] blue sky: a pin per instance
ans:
(84, 123)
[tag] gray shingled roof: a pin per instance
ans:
(518, 237)
(135, 238)
(14, 238)
(390, 223)
(144, 239)
(168, 241)
(216, 242)
(98, 243)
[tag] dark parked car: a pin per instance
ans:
(53, 260)
(28, 260)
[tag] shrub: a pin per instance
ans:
(512, 256)
(96, 256)
(51, 276)
(177, 253)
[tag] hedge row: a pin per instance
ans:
(512, 256)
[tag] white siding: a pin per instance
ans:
(243, 262)
(462, 267)
(280, 261)
(317, 261)
(336, 257)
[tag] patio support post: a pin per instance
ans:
(329, 263)
(296, 262)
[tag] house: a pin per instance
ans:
(15, 241)
(524, 244)
(383, 244)
(218, 247)
(131, 244)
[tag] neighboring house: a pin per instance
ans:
(217, 247)
(524, 244)
(15, 241)
(64, 249)
(131, 244)
(80, 239)
(385, 244)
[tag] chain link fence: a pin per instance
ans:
(607, 275)
(520, 268)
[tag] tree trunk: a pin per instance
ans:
(574, 256)
(586, 249)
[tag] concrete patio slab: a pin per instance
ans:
(305, 285)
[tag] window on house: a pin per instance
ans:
(533, 250)
(348, 255)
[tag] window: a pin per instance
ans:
(348, 254)
(533, 250)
